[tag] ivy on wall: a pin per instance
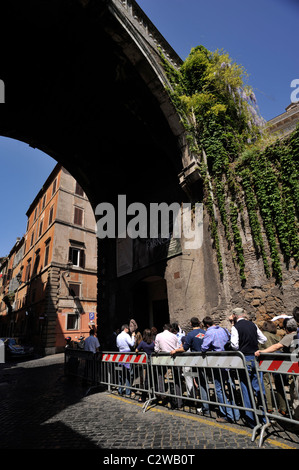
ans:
(240, 164)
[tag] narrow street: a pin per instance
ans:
(42, 409)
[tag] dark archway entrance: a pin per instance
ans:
(150, 303)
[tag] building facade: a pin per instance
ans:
(49, 279)
(286, 122)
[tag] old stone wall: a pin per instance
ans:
(261, 296)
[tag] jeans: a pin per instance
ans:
(125, 376)
(220, 378)
(250, 362)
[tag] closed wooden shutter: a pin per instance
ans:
(78, 216)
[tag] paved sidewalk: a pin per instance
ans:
(42, 409)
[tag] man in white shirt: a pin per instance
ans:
(167, 342)
(245, 335)
(124, 343)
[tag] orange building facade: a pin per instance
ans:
(48, 287)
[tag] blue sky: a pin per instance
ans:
(23, 172)
(261, 35)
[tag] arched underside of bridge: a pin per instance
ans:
(80, 89)
(84, 86)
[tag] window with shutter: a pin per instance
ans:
(82, 259)
(36, 263)
(51, 215)
(78, 190)
(28, 268)
(54, 186)
(78, 216)
(47, 249)
(40, 229)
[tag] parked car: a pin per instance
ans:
(13, 349)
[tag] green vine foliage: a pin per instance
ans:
(239, 162)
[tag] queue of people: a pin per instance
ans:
(244, 336)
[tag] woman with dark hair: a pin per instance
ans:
(147, 344)
(138, 339)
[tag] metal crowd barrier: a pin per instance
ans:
(215, 381)
(83, 364)
(127, 372)
(208, 381)
(281, 381)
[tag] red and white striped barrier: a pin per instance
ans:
(125, 358)
(279, 366)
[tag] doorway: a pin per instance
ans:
(150, 303)
(160, 313)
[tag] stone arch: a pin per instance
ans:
(84, 84)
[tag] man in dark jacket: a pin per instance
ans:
(192, 342)
(245, 336)
(194, 338)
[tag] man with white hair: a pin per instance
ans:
(245, 336)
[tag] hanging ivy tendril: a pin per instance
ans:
(240, 163)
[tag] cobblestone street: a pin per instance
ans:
(42, 409)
